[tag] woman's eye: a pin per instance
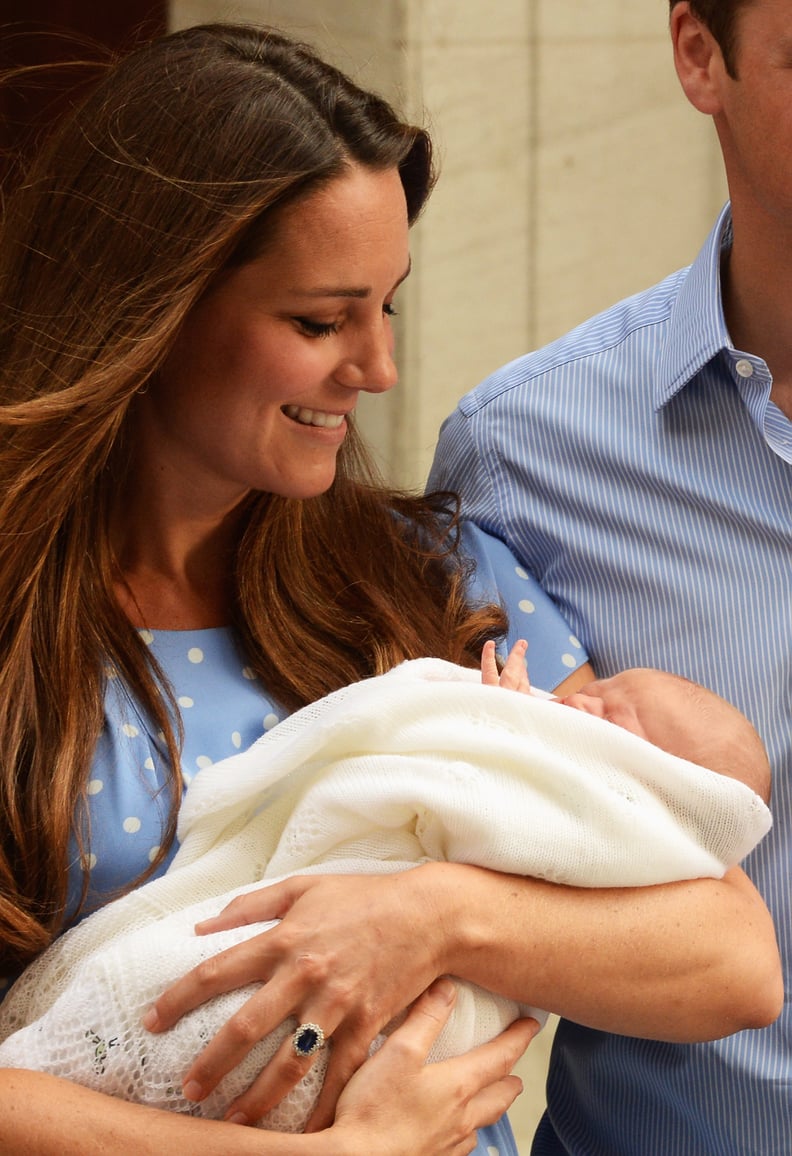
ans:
(317, 328)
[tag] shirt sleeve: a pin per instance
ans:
(460, 466)
(553, 650)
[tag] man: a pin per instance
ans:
(641, 469)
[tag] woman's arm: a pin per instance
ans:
(681, 962)
(398, 1104)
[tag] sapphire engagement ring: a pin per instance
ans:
(308, 1038)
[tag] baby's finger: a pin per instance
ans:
(514, 676)
(490, 674)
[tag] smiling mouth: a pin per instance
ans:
(315, 417)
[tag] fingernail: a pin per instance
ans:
(192, 1090)
(150, 1020)
(236, 1118)
(445, 989)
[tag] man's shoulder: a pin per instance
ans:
(630, 330)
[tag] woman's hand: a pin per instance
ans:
(350, 954)
(429, 1109)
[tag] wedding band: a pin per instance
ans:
(308, 1038)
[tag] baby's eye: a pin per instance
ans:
(317, 328)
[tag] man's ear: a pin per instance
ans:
(698, 60)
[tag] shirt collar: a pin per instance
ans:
(697, 328)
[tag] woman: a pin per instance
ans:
(197, 277)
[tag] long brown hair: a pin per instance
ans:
(161, 179)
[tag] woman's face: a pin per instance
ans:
(257, 389)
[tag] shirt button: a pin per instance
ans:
(744, 367)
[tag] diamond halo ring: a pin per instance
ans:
(308, 1039)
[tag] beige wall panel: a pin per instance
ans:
(470, 22)
(469, 292)
(626, 179)
(600, 19)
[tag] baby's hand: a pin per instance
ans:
(514, 676)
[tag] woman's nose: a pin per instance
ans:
(370, 366)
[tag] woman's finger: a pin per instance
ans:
(267, 902)
(346, 1057)
(235, 967)
(489, 1063)
(396, 1091)
(487, 1106)
(276, 1080)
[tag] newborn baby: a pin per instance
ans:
(429, 761)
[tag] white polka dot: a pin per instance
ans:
(248, 673)
(95, 786)
(195, 654)
(161, 736)
(153, 853)
(91, 862)
(185, 700)
(186, 779)
(203, 761)
(527, 606)
(518, 570)
(578, 645)
(569, 660)
(130, 731)
(147, 637)
(493, 1151)
(236, 739)
(131, 825)
(270, 721)
(149, 764)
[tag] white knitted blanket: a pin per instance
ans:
(423, 763)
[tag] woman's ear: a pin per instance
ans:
(698, 59)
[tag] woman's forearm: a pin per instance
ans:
(42, 1115)
(680, 962)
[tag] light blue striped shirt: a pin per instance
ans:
(639, 470)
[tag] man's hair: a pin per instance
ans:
(720, 16)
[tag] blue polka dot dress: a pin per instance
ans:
(224, 708)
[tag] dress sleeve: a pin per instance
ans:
(553, 650)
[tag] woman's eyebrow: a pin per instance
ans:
(345, 290)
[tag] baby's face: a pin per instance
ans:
(682, 718)
(614, 699)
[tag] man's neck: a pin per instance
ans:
(757, 302)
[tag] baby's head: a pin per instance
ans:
(682, 718)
